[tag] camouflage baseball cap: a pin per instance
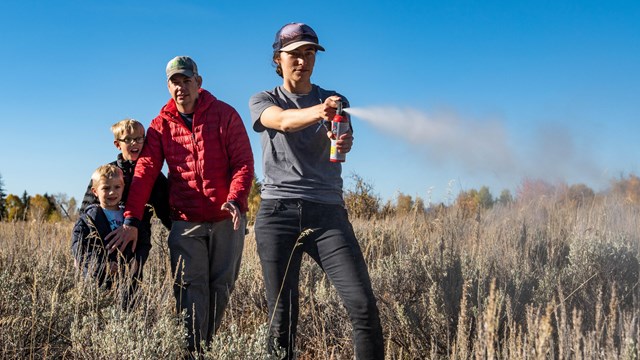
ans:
(181, 65)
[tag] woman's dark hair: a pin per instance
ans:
(276, 55)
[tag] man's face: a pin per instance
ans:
(131, 144)
(109, 192)
(184, 91)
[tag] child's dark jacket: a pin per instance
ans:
(88, 245)
(158, 202)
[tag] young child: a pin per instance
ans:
(98, 220)
(128, 137)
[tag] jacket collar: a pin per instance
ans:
(95, 212)
(205, 100)
(127, 166)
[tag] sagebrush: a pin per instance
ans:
(524, 280)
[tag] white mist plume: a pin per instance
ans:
(445, 138)
(484, 145)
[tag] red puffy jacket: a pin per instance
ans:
(207, 166)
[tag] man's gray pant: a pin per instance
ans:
(207, 258)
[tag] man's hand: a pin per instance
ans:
(121, 237)
(234, 211)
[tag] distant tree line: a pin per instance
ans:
(361, 199)
(363, 202)
(37, 207)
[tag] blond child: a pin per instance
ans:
(97, 221)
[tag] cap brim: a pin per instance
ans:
(297, 44)
(187, 73)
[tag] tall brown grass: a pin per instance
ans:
(535, 280)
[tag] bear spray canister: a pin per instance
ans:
(339, 126)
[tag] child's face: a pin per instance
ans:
(131, 144)
(109, 192)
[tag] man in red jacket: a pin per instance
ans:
(210, 162)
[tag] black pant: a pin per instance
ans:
(284, 230)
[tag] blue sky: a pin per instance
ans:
(452, 95)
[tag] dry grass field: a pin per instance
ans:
(540, 279)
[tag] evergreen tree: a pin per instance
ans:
(54, 213)
(505, 197)
(26, 199)
(485, 199)
(3, 204)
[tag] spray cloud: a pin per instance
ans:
(483, 146)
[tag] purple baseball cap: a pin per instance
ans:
(294, 35)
